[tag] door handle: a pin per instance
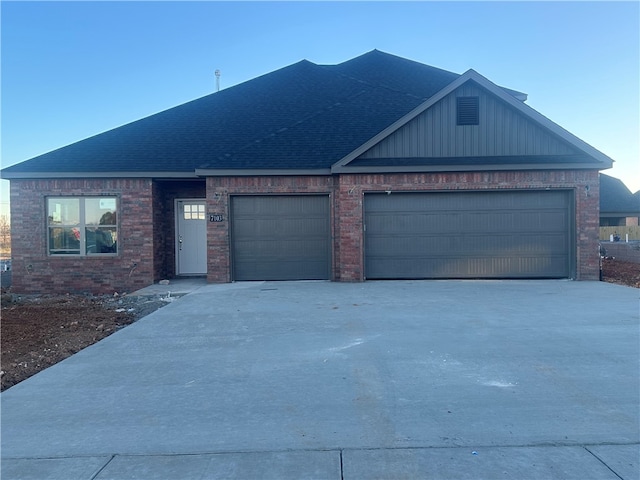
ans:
(180, 241)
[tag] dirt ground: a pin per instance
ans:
(39, 331)
(622, 273)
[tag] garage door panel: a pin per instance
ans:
(434, 246)
(283, 270)
(457, 267)
(281, 237)
(285, 249)
(467, 235)
(280, 227)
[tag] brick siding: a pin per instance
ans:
(219, 189)
(36, 272)
(147, 222)
(352, 188)
(164, 221)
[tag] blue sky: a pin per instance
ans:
(74, 69)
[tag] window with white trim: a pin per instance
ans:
(82, 225)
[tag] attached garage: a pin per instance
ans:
(281, 237)
(505, 234)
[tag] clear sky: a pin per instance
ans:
(74, 69)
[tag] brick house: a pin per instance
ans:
(375, 168)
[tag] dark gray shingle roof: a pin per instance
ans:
(304, 116)
(616, 198)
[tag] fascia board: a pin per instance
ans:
(497, 91)
(43, 175)
(214, 172)
(622, 213)
(466, 168)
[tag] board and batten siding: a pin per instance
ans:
(501, 131)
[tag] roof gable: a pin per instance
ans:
(512, 130)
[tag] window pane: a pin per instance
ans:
(63, 211)
(82, 225)
(193, 212)
(64, 240)
(101, 240)
(100, 210)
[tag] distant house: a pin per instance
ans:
(375, 168)
(618, 206)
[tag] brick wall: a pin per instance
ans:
(352, 188)
(164, 221)
(35, 272)
(146, 233)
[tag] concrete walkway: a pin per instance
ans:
(407, 379)
(175, 287)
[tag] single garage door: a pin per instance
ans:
(281, 237)
(468, 235)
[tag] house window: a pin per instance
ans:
(468, 110)
(82, 225)
(193, 211)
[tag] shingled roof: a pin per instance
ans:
(616, 199)
(304, 116)
(301, 117)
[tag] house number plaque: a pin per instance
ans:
(216, 218)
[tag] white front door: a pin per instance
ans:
(191, 237)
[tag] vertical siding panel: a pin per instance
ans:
(422, 133)
(502, 131)
(430, 134)
(535, 147)
(458, 133)
(418, 137)
(438, 137)
(444, 108)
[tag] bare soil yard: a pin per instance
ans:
(39, 331)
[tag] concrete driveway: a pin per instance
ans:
(403, 379)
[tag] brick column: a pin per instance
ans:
(349, 230)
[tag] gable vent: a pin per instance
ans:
(468, 110)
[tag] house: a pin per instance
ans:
(618, 206)
(375, 168)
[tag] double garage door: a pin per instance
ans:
(504, 234)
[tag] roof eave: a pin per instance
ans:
(463, 168)
(43, 175)
(617, 214)
(259, 172)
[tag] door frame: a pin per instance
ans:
(176, 235)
